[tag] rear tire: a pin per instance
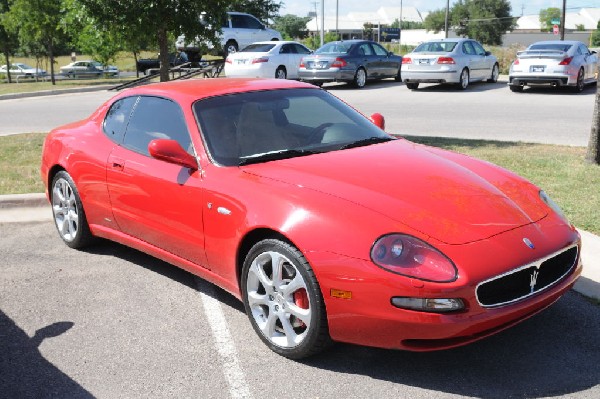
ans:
(578, 88)
(281, 73)
(412, 86)
(360, 78)
(495, 74)
(516, 89)
(231, 47)
(463, 83)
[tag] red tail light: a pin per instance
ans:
(228, 60)
(446, 60)
(260, 60)
(406, 60)
(516, 62)
(302, 63)
(566, 61)
(339, 63)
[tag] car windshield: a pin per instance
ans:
(334, 48)
(276, 124)
(550, 46)
(435, 47)
(258, 48)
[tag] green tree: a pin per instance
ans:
(435, 21)
(291, 26)
(8, 39)
(482, 20)
(38, 22)
(160, 21)
(409, 24)
(546, 17)
(595, 38)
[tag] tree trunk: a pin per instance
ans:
(163, 46)
(51, 56)
(593, 151)
(7, 64)
(135, 57)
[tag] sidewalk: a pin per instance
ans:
(20, 208)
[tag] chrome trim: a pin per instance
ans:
(537, 264)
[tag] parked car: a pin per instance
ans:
(88, 68)
(556, 63)
(455, 61)
(299, 206)
(191, 58)
(238, 31)
(355, 61)
(278, 59)
(19, 69)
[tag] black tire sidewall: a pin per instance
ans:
(84, 236)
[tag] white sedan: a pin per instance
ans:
(273, 59)
(23, 70)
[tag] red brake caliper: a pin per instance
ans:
(301, 300)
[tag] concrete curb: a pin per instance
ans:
(22, 208)
(42, 93)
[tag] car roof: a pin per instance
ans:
(189, 91)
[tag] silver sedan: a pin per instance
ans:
(555, 63)
(455, 61)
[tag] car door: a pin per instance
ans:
(474, 61)
(589, 62)
(152, 200)
(366, 56)
(388, 66)
(284, 57)
(485, 61)
(298, 51)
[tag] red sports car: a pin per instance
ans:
(327, 228)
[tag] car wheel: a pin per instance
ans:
(516, 89)
(283, 300)
(69, 216)
(398, 77)
(412, 86)
(495, 74)
(578, 88)
(280, 73)
(230, 47)
(463, 83)
(360, 78)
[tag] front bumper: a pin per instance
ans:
(369, 318)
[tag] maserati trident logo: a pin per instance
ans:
(528, 242)
(533, 280)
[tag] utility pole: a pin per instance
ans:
(400, 30)
(322, 22)
(314, 3)
(446, 20)
(562, 20)
(337, 10)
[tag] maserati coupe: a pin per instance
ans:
(325, 226)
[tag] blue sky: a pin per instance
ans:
(302, 7)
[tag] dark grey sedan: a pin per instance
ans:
(354, 61)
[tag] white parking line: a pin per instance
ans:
(224, 342)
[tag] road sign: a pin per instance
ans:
(555, 29)
(555, 21)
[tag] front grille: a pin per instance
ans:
(527, 280)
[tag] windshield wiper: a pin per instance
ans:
(365, 142)
(275, 155)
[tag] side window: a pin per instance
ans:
(117, 117)
(379, 50)
(252, 23)
(286, 49)
(365, 49)
(238, 21)
(301, 49)
(478, 49)
(156, 118)
(468, 48)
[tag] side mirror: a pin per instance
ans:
(378, 120)
(172, 152)
(390, 53)
(488, 53)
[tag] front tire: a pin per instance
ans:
(360, 78)
(495, 74)
(67, 209)
(231, 47)
(463, 82)
(283, 300)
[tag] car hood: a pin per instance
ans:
(440, 194)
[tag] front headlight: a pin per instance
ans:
(411, 257)
(553, 205)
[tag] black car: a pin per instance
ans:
(353, 61)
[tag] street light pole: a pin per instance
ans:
(562, 20)
(400, 30)
(446, 19)
(322, 22)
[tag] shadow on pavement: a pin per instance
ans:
(24, 372)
